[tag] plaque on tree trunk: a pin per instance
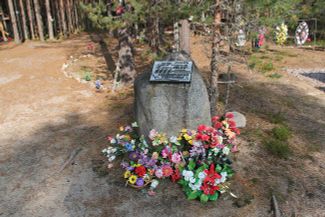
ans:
(172, 71)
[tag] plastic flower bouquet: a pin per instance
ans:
(196, 159)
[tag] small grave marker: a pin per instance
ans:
(172, 71)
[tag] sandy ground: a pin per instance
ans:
(45, 116)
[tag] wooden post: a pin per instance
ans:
(14, 21)
(214, 92)
(185, 36)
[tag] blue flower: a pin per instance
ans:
(128, 147)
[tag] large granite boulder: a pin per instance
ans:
(169, 107)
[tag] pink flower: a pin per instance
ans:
(167, 170)
(165, 152)
(152, 134)
(229, 115)
(159, 173)
(176, 158)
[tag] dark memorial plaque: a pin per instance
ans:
(172, 71)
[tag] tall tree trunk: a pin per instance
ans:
(39, 20)
(185, 36)
(214, 93)
(58, 18)
(14, 21)
(49, 19)
(69, 15)
(31, 19)
(64, 23)
(125, 64)
(23, 15)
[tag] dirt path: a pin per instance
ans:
(44, 116)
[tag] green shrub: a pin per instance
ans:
(266, 67)
(277, 147)
(281, 133)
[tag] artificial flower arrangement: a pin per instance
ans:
(195, 159)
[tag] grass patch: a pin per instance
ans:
(266, 67)
(281, 133)
(274, 76)
(278, 148)
(276, 118)
(277, 142)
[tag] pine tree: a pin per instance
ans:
(39, 20)
(14, 21)
(49, 19)
(30, 18)
(23, 15)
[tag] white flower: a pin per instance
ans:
(226, 150)
(134, 124)
(223, 176)
(111, 158)
(113, 141)
(104, 150)
(173, 139)
(132, 141)
(220, 139)
(192, 180)
(201, 175)
(187, 175)
(114, 150)
(197, 143)
(154, 184)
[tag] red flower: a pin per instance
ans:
(208, 186)
(229, 115)
(215, 118)
(218, 125)
(232, 124)
(237, 131)
(201, 128)
(140, 171)
(176, 176)
(205, 137)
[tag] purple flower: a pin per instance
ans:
(134, 156)
(140, 182)
(197, 151)
(124, 165)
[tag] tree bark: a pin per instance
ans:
(39, 20)
(64, 23)
(23, 15)
(214, 93)
(69, 15)
(14, 21)
(125, 64)
(185, 36)
(31, 19)
(49, 19)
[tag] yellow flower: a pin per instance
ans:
(127, 136)
(184, 130)
(179, 138)
(187, 137)
(127, 174)
(121, 128)
(133, 179)
(190, 141)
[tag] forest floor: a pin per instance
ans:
(46, 116)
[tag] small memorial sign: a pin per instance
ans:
(172, 71)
